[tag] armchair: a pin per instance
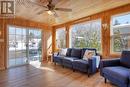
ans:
(92, 65)
(117, 70)
(129, 81)
(108, 63)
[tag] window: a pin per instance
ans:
(86, 35)
(120, 33)
(61, 38)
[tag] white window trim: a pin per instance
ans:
(111, 22)
(111, 29)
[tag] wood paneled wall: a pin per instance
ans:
(53, 40)
(105, 16)
(47, 30)
(67, 36)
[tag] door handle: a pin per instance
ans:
(26, 45)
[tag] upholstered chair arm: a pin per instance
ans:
(108, 63)
(129, 79)
(55, 53)
(92, 65)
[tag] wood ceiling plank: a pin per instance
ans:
(80, 8)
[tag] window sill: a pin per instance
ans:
(115, 55)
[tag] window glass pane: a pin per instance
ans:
(18, 31)
(86, 35)
(24, 39)
(18, 42)
(11, 38)
(61, 38)
(119, 20)
(120, 33)
(35, 33)
(24, 31)
(38, 34)
(11, 30)
(31, 35)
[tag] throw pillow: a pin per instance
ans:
(88, 54)
(63, 52)
(94, 53)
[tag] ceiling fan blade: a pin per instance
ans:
(55, 14)
(64, 9)
(40, 12)
(36, 3)
(50, 1)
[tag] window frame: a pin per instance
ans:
(111, 31)
(85, 22)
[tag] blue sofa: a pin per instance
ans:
(73, 59)
(117, 70)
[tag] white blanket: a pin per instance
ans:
(97, 61)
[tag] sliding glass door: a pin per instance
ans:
(34, 45)
(24, 45)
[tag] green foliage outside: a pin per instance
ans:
(120, 38)
(40, 46)
(87, 36)
(117, 42)
(92, 42)
(61, 38)
(120, 43)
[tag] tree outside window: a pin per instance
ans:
(61, 38)
(86, 35)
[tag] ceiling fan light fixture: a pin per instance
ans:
(50, 12)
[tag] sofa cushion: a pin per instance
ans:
(58, 59)
(80, 62)
(125, 59)
(68, 53)
(120, 73)
(84, 49)
(76, 53)
(67, 61)
(70, 58)
(81, 65)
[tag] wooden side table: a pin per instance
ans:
(49, 57)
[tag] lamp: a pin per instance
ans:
(50, 12)
(105, 26)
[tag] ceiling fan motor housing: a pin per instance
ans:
(51, 6)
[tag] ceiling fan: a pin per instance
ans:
(51, 8)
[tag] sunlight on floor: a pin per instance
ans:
(37, 64)
(47, 69)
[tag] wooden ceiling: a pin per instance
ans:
(80, 8)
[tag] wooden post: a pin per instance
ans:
(67, 36)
